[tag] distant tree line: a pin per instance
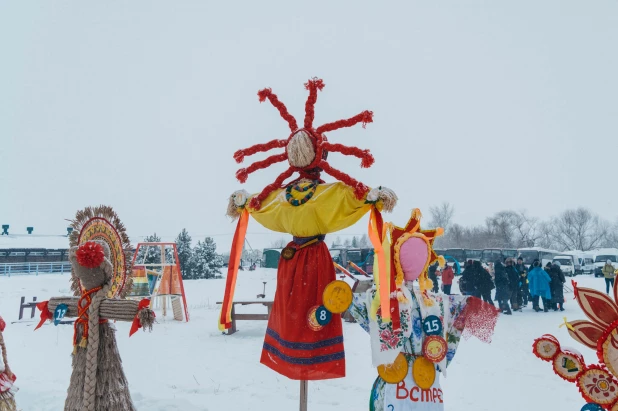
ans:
(576, 229)
(201, 261)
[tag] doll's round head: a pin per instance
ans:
(306, 147)
(91, 264)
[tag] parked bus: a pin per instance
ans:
(362, 257)
(536, 253)
(490, 255)
(461, 254)
(458, 254)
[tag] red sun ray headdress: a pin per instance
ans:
(318, 140)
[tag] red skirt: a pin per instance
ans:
(291, 347)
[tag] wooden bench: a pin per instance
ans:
(248, 317)
(31, 305)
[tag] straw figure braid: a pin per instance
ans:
(5, 360)
(92, 359)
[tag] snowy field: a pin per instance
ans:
(192, 366)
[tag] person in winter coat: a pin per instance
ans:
(609, 272)
(433, 276)
(502, 287)
(469, 281)
(514, 280)
(557, 286)
(524, 290)
(447, 279)
(484, 282)
(539, 282)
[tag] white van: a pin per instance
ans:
(578, 260)
(587, 263)
(567, 263)
(601, 258)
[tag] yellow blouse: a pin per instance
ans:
(333, 207)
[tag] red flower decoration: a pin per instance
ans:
(90, 255)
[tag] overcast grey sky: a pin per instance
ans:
(141, 104)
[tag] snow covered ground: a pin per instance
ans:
(192, 366)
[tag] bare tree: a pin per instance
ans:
(526, 229)
(279, 243)
(442, 215)
(501, 228)
(545, 238)
(611, 240)
(455, 238)
(579, 229)
(364, 242)
(574, 229)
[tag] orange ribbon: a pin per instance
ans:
(376, 237)
(225, 319)
(82, 315)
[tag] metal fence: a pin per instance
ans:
(9, 269)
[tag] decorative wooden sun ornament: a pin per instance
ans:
(597, 383)
(414, 253)
(306, 148)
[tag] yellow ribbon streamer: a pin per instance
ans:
(569, 326)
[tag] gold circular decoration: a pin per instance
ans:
(98, 228)
(546, 348)
(312, 320)
(288, 253)
(435, 348)
(424, 373)
(337, 296)
(396, 372)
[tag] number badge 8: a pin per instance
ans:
(322, 315)
(432, 325)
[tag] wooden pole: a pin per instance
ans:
(162, 274)
(303, 395)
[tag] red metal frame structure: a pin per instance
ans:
(173, 272)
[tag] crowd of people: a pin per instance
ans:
(516, 284)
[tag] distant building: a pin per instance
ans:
(23, 248)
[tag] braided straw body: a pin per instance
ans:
(98, 382)
(7, 402)
(92, 352)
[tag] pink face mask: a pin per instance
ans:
(413, 257)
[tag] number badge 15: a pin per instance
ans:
(432, 325)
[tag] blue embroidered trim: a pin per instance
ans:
(304, 346)
(305, 360)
